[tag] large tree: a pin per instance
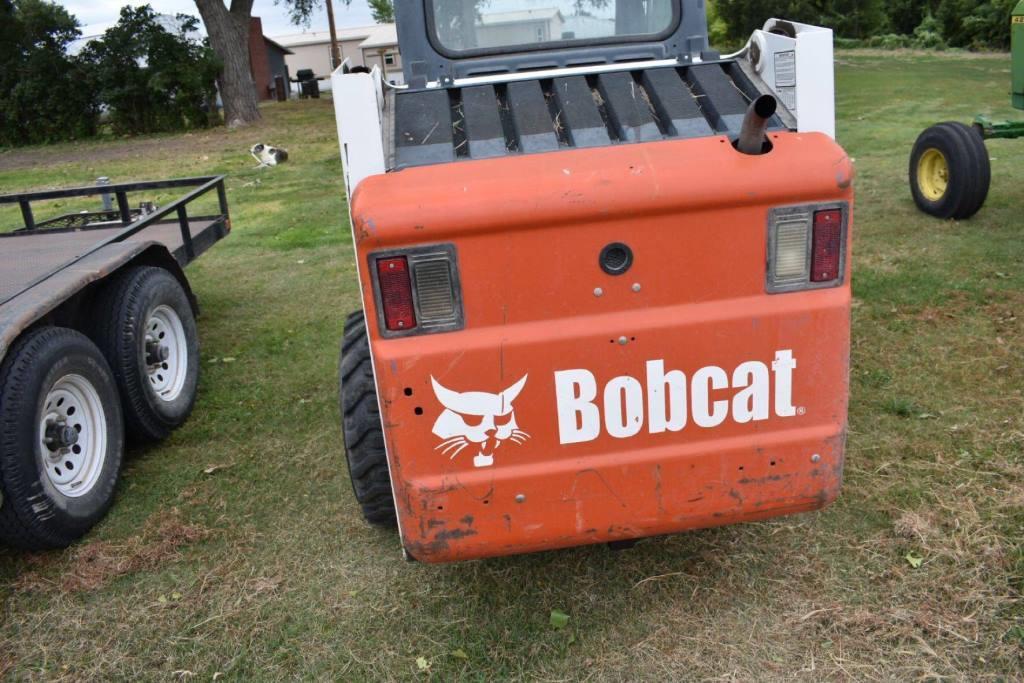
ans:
(228, 29)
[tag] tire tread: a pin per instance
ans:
(118, 296)
(361, 426)
(970, 170)
(21, 525)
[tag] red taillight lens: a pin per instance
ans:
(396, 293)
(827, 245)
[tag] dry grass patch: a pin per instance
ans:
(94, 564)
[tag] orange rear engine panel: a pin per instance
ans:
(578, 407)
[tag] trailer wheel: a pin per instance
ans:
(61, 439)
(147, 332)
(361, 427)
(950, 171)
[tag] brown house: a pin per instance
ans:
(266, 61)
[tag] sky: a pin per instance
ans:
(98, 15)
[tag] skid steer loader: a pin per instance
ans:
(605, 276)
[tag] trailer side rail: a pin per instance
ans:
(179, 209)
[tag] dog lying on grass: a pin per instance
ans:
(267, 155)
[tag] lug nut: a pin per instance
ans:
(60, 436)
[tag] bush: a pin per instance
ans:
(153, 78)
(929, 24)
(850, 18)
(976, 24)
(928, 34)
(47, 93)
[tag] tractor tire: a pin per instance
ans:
(61, 439)
(147, 332)
(950, 171)
(361, 427)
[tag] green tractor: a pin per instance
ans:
(950, 171)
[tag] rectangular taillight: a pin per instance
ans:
(417, 290)
(826, 245)
(396, 293)
(806, 247)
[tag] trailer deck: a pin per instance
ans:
(41, 267)
(28, 258)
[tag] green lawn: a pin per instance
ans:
(236, 547)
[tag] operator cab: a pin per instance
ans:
(514, 77)
(445, 40)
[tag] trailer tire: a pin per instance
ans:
(950, 171)
(361, 426)
(56, 385)
(147, 332)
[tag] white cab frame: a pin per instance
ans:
(359, 113)
(799, 70)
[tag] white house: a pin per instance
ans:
(362, 45)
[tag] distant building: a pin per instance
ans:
(583, 27)
(367, 46)
(267, 61)
(523, 27)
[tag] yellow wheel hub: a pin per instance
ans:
(933, 175)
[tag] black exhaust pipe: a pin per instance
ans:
(755, 125)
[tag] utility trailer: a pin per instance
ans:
(98, 345)
(605, 277)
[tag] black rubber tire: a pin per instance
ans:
(970, 170)
(361, 427)
(34, 515)
(121, 311)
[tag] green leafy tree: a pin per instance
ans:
(46, 92)
(718, 29)
(905, 16)
(849, 18)
(151, 74)
(383, 11)
(976, 24)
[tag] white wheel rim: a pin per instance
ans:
(73, 465)
(167, 370)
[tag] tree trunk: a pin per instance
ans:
(229, 37)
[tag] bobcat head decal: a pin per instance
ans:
(478, 419)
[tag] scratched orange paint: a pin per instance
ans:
(528, 231)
